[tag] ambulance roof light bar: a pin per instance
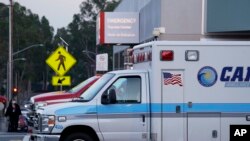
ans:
(192, 55)
(167, 55)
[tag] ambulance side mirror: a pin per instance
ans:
(109, 97)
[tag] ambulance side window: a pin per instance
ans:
(127, 89)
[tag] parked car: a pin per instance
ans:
(26, 104)
(42, 100)
(22, 124)
(26, 113)
(63, 96)
(3, 101)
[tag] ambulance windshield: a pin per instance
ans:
(96, 87)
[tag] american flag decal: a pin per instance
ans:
(173, 79)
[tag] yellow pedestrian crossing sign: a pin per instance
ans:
(61, 61)
(61, 81)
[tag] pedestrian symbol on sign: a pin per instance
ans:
(61, 61)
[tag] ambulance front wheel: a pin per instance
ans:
(79, 137)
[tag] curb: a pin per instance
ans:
(26, 138)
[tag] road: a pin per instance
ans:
(5, 136)
(10, 136)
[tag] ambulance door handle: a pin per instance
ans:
(178, 109)
(214, 134)
(190, 104)
(143, 118)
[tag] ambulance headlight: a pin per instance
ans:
(48, 122)
(192, 55)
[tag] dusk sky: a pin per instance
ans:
(58, 12)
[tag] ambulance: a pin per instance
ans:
(176, 91)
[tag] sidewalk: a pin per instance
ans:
(3, 130)
(3, 123)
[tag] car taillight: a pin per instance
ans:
(167, 55)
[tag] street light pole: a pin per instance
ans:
(10, 67)
(66, 44)
(93, 60)
(10, 49)
(87, 52)
(22, 50)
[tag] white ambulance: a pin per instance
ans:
(177, 91)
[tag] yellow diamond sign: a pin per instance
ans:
(61, 61)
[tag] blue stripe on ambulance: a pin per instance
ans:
(157, 108)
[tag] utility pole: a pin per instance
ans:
(10, 49)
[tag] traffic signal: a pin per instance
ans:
(15, 91)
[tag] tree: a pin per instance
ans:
(4, 25)
(28, 29)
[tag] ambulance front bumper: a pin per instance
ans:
(43, 137)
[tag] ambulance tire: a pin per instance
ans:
(78, 137)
